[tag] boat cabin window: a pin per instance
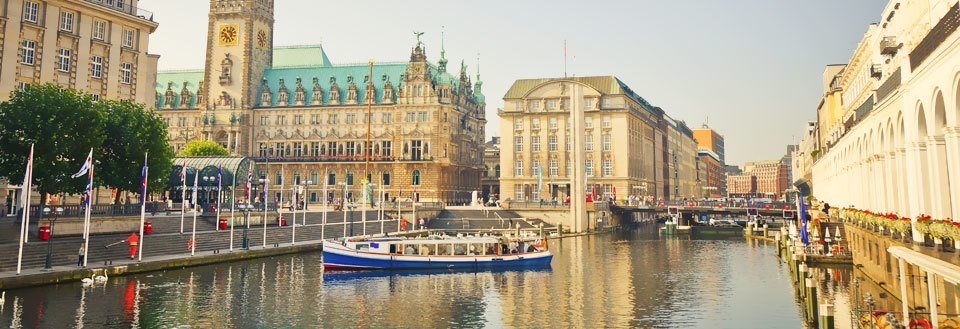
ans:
(393, 248)
(409, 249)
(363, 246)
(459, 249)
(443, 249)
(476, 249)
(428, 249)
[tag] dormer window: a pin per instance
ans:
(168, 96)
(351, 91)
(334, 98)
(265, 95)
(283, 95)
(185, 96)
(300, 95)
(317, 97)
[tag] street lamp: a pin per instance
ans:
(246, 209)
(351, 207)
(56, 214)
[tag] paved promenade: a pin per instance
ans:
(168, 244)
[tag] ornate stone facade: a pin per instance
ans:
(295, 112)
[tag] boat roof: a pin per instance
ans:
(437, 239)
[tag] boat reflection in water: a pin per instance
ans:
(336, 277)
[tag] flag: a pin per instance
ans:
(143, 182)
(193, 199)
(249, 182)
(27, 181)
(802, 217)
(219, 177)
(266, 184)
(86, 166)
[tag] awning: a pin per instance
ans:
(207, 167)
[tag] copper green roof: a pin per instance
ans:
(208, 166)
(605, 85)
(341, 73)
(300, 56)
(175, 80)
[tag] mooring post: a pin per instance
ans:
(826, 316)
(812, 300)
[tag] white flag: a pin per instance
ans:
(194, 200)
(86, 166)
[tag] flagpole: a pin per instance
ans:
(266, 182)
(323, 227)
(143, 207)
(183, 195)
(233, 206)
(219, 193)
(363, 204)
(27, 181)
(399, 216)
(293, 222)
(280, 201)
(380, 206)
(193, 234)
(344, 208)
(86, 220)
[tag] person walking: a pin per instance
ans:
(133, 240)
(82, 254)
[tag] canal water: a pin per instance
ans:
(628, 279)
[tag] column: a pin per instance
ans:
(893, 186)
(903, 194)
(230, 142)
(952, 141)
(915, 183)
(938, 177)
(578, 206)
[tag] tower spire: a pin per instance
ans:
(443, 51)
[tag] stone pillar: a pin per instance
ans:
(230, 142)
(952, 141)
(938, 178)
(578, 204)
(903, 195)
(915, 183)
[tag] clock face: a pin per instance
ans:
(229, 34)
(262, 39)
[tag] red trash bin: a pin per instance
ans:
(222, 223)
(147, 228)
(44, 233)
(281, 221)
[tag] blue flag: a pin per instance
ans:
(143, 184)
(802, 216)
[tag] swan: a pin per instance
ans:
(87, 281)
(101, 278)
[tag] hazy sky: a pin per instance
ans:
(752, 66)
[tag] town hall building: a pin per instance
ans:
(411, 126)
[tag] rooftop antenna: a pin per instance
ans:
(564, 58)
(706, 123)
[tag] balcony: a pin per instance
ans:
(124, 7)
(334, 158)
(875, 71)
(889, 46)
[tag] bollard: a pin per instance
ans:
(559, 229)
(812, 300)
(749, 229)
(766, 228)
(826, 316)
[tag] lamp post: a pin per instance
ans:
(351, 207)
(212, 179)
(246, 209)
(264, 182)
(56, 214)
(306, 200)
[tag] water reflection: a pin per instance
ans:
(621, 280)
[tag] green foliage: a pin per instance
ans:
(132, 131)
(63, 126)
(201, 148)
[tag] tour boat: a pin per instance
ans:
(434, 252)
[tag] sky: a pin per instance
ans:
(751, 69)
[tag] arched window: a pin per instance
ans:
(331, 179)
(296, 178)
(313, 178)
(350, 178)
(385, 178)
(416, 178)
(496, 171)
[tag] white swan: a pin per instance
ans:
(87, 281)
(101, 278)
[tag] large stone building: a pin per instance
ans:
(303, 117)
(896, 138)
(627, 142)
(96, 46)
(490, 182)
(712, 156)
(771, 178)
(742, 186)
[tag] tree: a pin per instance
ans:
(200, 148)
(63, 125)
(132, 131)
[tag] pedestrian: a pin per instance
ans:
(403, 224)
(82, 254)
(132, 241)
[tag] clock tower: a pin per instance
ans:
(239, 50)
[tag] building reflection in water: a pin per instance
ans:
(626, 279)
